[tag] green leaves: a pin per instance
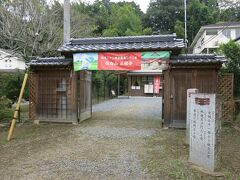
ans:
(5, 110)
(162, 15)
(232, 52)
(165, 16)
(11, 85)
(124, 21)
(200, 14)
(179, 29)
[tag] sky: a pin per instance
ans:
(142, 3)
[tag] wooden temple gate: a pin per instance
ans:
(61, 93)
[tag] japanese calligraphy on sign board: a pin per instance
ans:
(120, 60)
(204, 127)
(189, 93)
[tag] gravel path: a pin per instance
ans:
(116, 133)
(145, 107)
(111, 145)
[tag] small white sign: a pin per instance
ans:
(148, 88)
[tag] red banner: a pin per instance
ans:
(119, 61)
(156, 84)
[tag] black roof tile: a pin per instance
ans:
(181, 59)
(127, 43)
(50, 61)
(197, 59)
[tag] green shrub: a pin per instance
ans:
(6, 114)
(5, 110)
(11, 84)
(5, 102)
(231, 50)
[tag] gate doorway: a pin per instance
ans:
(179, 83)
(84, 95)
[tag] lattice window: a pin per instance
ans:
(32, 95)
(54, 95)
(225, 89)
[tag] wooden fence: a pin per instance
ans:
(225, 89)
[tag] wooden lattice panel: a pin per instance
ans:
(225, 89)
(32, 95)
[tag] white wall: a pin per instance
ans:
(11, 63)
(212, 41)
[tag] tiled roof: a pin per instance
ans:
(127, 43)
(225, 24)
(197, 59)
(50, 61)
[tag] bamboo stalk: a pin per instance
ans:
(15, 115)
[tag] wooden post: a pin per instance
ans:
(118, 84)
(104, 87)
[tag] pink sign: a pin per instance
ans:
(119, 61)
(156, 84)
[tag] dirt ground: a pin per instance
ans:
(123, 140)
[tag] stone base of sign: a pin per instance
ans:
(205, 171)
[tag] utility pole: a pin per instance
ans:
(185, 22)
(66, 22)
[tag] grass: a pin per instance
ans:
(168, 157)
(23, 114)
